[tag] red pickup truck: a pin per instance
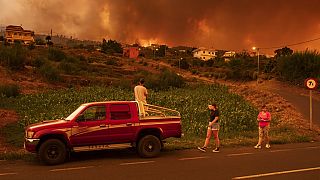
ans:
(103, 125)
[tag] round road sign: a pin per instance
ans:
(311, 83)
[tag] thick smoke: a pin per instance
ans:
(221, 24)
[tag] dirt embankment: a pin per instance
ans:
(285, 112)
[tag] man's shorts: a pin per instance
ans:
(215, 126)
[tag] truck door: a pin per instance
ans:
(121, 123)
(90, 127)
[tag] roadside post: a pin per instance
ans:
(311, 84)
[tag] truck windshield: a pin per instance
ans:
(77, 111)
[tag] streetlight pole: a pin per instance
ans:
(179, 63)
(257, 49)
(258, 61)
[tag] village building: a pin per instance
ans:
(131, 52)
(204, 54)
(228, 55)
(17, 33)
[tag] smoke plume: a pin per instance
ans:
(220, 24)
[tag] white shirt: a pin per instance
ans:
(140, 93)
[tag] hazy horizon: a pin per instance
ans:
(223, 24)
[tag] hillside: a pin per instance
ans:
(64, 68)
(44, 69)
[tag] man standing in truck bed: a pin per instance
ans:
(140, 94)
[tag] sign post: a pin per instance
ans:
(311, 84)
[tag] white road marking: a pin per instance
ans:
(240, 154)
(277, 173)
(272, 151)
(5, 174)
(74, 168)
(284, 150)
(139, 162)
(193, 158)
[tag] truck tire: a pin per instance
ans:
(149, 146)
(52, 152)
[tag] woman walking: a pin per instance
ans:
(213, 128)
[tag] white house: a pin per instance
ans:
(204, 54)
(228, 55)
(14, 33)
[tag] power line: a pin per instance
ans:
(294, 44)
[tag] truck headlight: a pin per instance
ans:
(29, 134)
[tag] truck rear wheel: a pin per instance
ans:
(149, 146)
(52, 152)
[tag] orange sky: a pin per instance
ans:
(220, 24)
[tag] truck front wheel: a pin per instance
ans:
(149, 146)
(52, 152)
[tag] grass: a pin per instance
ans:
(238, 117)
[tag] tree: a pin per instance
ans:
(283, 52)
(49, 42)
(48, 39)
(111, 46)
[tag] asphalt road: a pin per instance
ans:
(291, 161)
(302, 104)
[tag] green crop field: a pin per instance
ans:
(191, 102)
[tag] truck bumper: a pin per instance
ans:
(31, 144)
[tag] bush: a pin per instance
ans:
(82, 58)
(165, 81)
(9, 90)
(40, 41)
(183, 64)
(111, 61)
(13, 57)
(299, 66)
(69, 68)
(56, 54)
(38, 62)
(194, 71)
(50, 73)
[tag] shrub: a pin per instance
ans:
(194, 71)
(82, 58)
(165, 81)
(299, 66)
(31, 46)
(38, 62)
(183, 64)
(9, 90)
(49, 72)
(197, 62)
(69, 68)
(111, 61)
(13, 57)
(40, 41)
(56, 54)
